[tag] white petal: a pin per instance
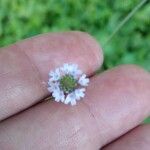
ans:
(79, 93)
(62, 96)
(49, 89)
(53, 86)
(76, 73)
(83, 80)
(71, 69)
(59, 96)
(70, 98)
(56, 96)
(73, 102)
(55, 75)
(75, 70)
(65, 69)
(51, 73)
(67, 100)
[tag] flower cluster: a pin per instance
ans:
(67, 84)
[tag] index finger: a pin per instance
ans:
(25, 66)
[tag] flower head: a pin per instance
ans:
(67, 84)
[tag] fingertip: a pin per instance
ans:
(53, 49)
(93, 45)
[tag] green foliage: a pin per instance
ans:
(20, 19)
(147, 121)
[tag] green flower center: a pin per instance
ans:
(68, 83)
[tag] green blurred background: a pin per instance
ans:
(20, 19)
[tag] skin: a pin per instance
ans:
(138, 138)
(116, 101)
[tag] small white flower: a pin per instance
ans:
(67, 84)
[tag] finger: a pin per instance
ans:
(25, 66)
(137, 139)
(115, 102)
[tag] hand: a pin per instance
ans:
(116, 100)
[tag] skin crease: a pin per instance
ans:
(111, 98)
(138, 138)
